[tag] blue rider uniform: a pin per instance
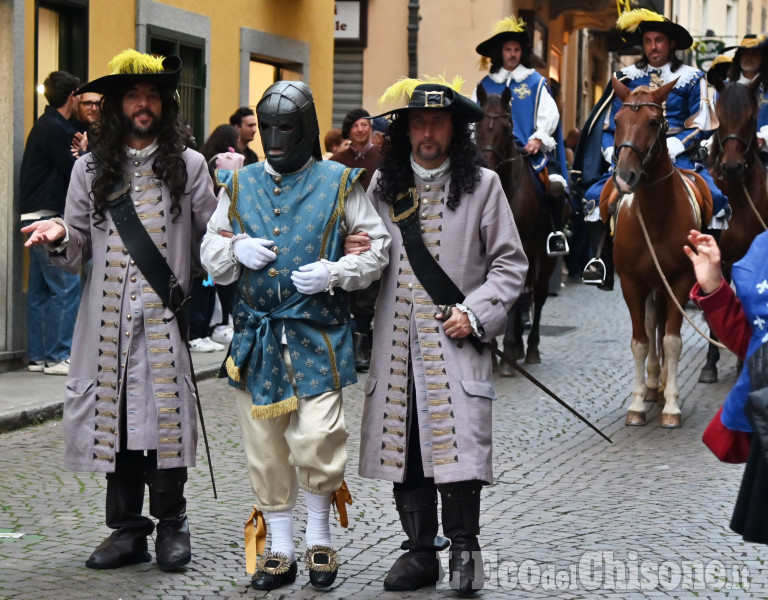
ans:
(534, 116)
(687, 109)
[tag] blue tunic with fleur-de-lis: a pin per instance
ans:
(750, 276)
(303, 213)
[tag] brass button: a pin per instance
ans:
(136, 163)
(125, 250)
(133, 280)
(128, 318)
(120, 279)
(276, 211)
(125, 352)
(127, 334)
(278, 178)
(275, 249)
(137, 204)
(122, 263)
(427, 188)
(424, 201)
(137, 174)
(277, 191)
(410, 286)
(424, 215)
(421, 229)
(276, 231)
(133, 296)
(137, 188)
(133, 262)
(272, 272)
(495, 301)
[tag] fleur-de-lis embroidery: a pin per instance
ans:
(522, 90)
(759, 323)
(762, 286)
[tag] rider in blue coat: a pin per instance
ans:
(687, 109)
(750, 63)
(535, 116)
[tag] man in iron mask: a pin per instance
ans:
(279, 233)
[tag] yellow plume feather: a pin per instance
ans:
(403, 87)
(131, 61)
(484, 63)
(630, 21)
(509, 24)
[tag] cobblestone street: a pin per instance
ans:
(568, 516)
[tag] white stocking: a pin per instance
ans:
(318, 512)
(281, 529)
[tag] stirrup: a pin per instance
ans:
(594, 272)
(555, 249)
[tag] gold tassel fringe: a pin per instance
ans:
(269, 411)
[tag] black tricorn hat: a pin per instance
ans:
(434, 96)
(131, 67)
(508, 29)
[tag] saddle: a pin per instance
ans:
(698, 192)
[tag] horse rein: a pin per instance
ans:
(749, 151)
(646, 158)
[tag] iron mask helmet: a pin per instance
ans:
(288, 125)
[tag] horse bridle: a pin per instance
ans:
(663, 127)
(748, 150)
(503, 160)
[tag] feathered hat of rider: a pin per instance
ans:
(718, 69)
(638, 21)
(434, 93)
(131, 67)
(751, 41)
(508, 29)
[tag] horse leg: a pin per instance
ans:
(513, 336)
(670, 415)
(540, 293)
(636, 411)
(708, 372)
(653, 363)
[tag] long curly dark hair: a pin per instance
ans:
(397, 174)
(108, 153)
(734, 72)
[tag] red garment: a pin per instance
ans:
(725, 316)
(368, 161)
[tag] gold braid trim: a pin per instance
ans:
(232, 370)
(332, 356)
(233, 214)
(345, 188)
(276, 409)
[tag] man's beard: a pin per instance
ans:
(150, 131)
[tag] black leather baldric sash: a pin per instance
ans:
(440, 287)
(147, 256)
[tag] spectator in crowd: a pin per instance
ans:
(244, 120)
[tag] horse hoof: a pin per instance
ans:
(651, 395)
(669, 421)
(519, 354)
(635, 418)
(505, 369)
(533, 358)
(708, 375)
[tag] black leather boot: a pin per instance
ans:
(362, 352)
(461, 524)
(168, 505)
(419, 567)
(127, 544)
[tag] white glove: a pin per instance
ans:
(254, 253)
(230, 160)
(608, 155)
(311, 278)
(674, 147)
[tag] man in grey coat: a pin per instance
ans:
(130, 405)
(427, 418)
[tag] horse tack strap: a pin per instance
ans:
(699, 195)
(440, 287)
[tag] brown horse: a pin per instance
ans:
(740, 175)
(663, 203)
(526, 197)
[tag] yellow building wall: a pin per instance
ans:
(112, 29)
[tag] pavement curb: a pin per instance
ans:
(40, 414)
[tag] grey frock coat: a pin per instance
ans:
(479, 247)
(124, 348)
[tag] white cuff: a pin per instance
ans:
(548, 143)
(333, 275)
(608, 154)
(477, 330)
